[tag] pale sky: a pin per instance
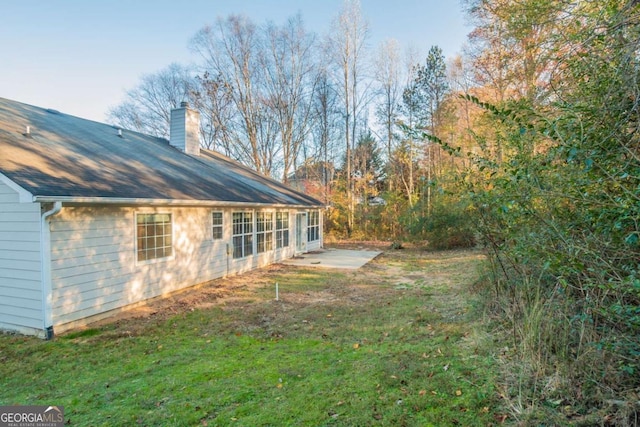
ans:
(81, 56)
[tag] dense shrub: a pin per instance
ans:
(448, 224)
(560, 215)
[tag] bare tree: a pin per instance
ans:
(213, 99)
(290, 76)
(147, 107)
(230, 53)
(347, 42)
(325, 127)
(387, 73)
(257, 85)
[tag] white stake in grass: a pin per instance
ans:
(277, 296)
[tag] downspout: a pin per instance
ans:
(45, 257)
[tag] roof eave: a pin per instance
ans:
(70, 200)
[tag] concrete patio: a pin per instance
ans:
(334, 258)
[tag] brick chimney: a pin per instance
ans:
(184, 131)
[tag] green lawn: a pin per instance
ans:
(394, 343)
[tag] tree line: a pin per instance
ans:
(526, 144)
(329, 114)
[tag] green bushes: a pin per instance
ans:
(448, 225)
(445, 222)
(560, 215)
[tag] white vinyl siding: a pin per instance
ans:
(94, 260)
(20, 263)
(94, 267)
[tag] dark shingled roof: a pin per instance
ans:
(69, 157)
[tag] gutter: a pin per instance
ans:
(164, 202)
(45, 258)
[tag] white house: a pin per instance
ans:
(94, 218)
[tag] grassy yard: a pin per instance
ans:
(395, 343)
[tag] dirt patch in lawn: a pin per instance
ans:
(394, 269)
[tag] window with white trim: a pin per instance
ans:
(264, 231)
(282, 230)
(216, 225)
(313, 226)
(242, 234)
(153, 236)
